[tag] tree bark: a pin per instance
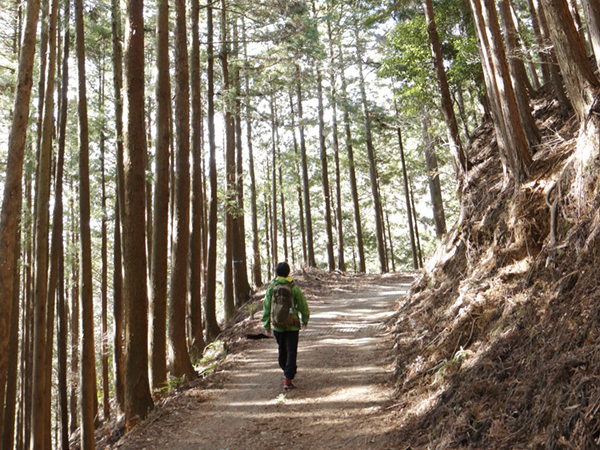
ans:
(228, 293)
(518, 75)
(138, 401)
(179, 358)
(40, 434)
(592, 18)
(256, 264)
(118, 312)
(210, 318)
(336, 154)
(433, 177)
(160, 238)
(456, 149)
(196, 242)
(352, 170)
(305, 177)
(12, 199)
(372, 161)
(325, 174)
(88, 359)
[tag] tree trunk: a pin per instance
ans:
(160, 238)
(11, 203)
(539, 38)
(40, 434)
(104, 274)
(75, 309)
(119, 205)
(372, 161)
(256, 264)
(554, 72)
(456, 149)
(352, 171)
(274, 152)
(433, 176)
(240, 270)
(88, 359)
(228, 294)
(299, 180)
(506, 117)
(325, 174)
(592, 19)
(411, 230)
(138, 401)
(305, 177)
(8, 409)
(582, 84)
(518, 75)
(210, 317)
(179, 358)
(336, 154)
(196, 242)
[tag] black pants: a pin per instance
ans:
(288, 352)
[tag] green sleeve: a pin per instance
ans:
(266, 318)
(301, 305)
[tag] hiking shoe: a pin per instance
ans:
(287, 385)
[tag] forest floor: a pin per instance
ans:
(344, 385)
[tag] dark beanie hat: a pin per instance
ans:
(282, 269)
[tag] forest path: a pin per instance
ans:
(342, 386)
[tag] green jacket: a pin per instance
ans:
(299, 304)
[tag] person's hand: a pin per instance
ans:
(268, 333)
(304, 327)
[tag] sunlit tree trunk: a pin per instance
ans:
(256, 263)
(433, 176)
(371, 157)
(325, 174)
(210, 318)
(118, 310)
(336, 153)
(518, 75)
(305, 176)
(592, 19)
(160, 238)
(352, 170)
(582, 85)
(228, 294)
(456, 148)
(179, 359)
(12, 199)
(40, 434)
(299, 180)
(196, 241)
(240, 270)
(138, 401)
(88, 360)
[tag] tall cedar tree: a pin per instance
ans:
(88, 359)
(179, 357)
(362, 265)
(210, 317)
(41, 398)
(12, 199)
(197, 247)
(138, 401)
(240, 270)
(456, 148)
(118, 308)
(374, 178)
(228, 294)
(160, 238)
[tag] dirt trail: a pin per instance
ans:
(342, 384)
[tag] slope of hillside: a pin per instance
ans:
(498, 342)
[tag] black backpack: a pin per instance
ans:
(282, 309)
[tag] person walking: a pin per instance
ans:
(283, 305)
